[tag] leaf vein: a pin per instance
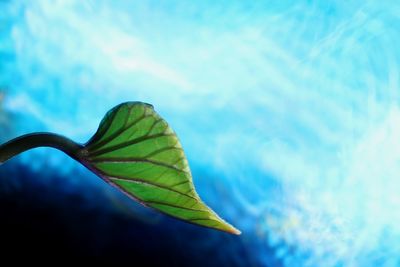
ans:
(119, 132)
(142, 181)
(127, 143)
(137, 160)
(175, 206)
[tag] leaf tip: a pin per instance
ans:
(234, 231)
(230, 229)
(224, 226)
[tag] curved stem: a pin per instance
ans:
(29, 141)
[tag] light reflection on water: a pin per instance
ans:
(294, 107)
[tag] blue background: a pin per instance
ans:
(288, 111)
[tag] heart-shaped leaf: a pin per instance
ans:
(135, 150)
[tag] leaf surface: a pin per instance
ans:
(136, 150)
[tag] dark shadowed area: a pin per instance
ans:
(44, 214)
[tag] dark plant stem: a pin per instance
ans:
(29, 141)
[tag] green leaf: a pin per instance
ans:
(136, 150)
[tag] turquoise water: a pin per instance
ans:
(290, 107)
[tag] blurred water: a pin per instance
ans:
(288, 110)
